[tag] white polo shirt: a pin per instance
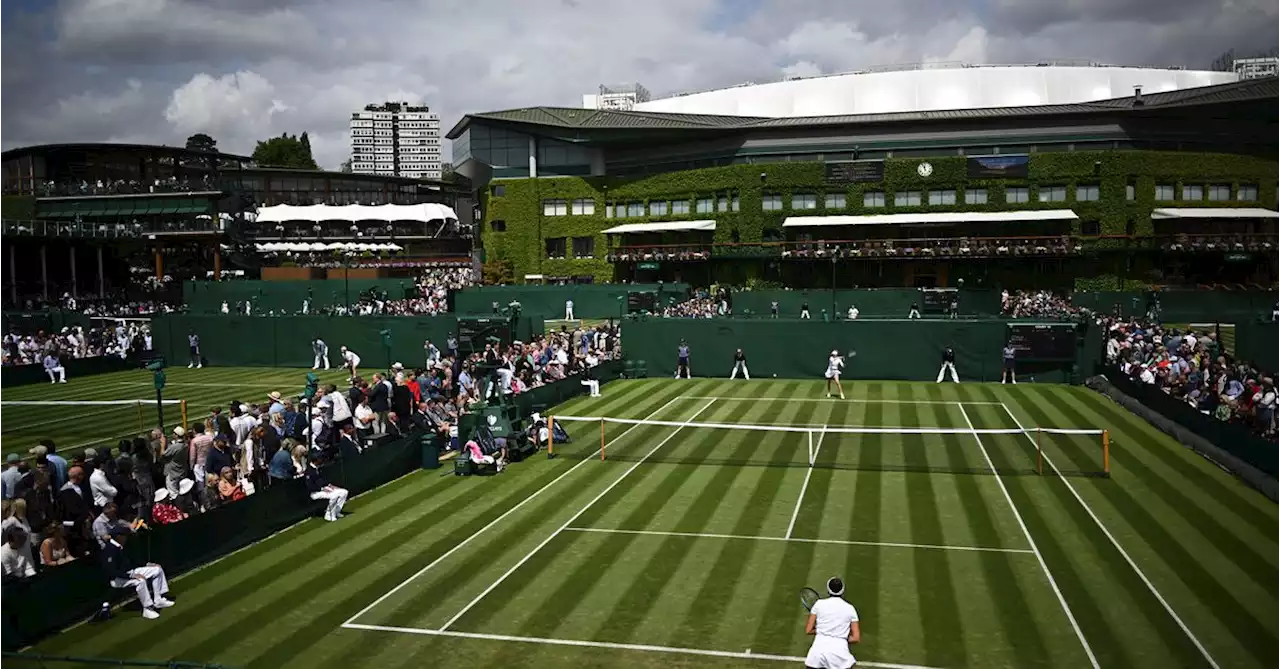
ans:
(831, 643)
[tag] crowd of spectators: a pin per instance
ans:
(1192, 366)
(1040, 304)
(171, 184)
(71, 342)
(703, 303)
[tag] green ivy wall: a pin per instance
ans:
(520, 205)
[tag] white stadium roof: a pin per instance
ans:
(428, 211)
(934, 87)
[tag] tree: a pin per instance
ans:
(446, 171)
(202, 142)
(498, 272)
(346, 166)
(285, 151)
(1225, 62)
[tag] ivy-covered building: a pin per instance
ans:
(1176, 187)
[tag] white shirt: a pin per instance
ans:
(834, 364)
(102, 489)
(363, 415)
(17, 561)
(351, 358)
(853, 313)
(241, 425)
(341, 409)
(835, 616)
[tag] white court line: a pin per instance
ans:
(1150, 586)
(495, 521)
(822, 399)
(569, 522)
(1093, 661)
(813, 457)
(644, 648)
(835, 542)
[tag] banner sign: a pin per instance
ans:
(1006, 167)
(857, 170)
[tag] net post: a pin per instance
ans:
(810, 435)
(1039, 453)
(602, 438)
(141, 421)
(551, 437)
(184, 414)
(1106, 452)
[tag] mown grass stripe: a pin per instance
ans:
(704, 617)
(865, 524)
(1254, 637)
(813, 509)
(1144, 440)
(944, 645)
(547, 616)
(1109, 648)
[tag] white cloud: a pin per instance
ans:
(243, 101)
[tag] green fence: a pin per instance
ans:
(24, 375)
(1184, 306)
(1258, 342)
(589, 300)
(871, 302)
(206, 297)
(55, 598)
(788, 348)
(31, 322)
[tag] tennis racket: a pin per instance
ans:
(809, 597)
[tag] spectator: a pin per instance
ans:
(218, 458)
(175, 457)
(57, 463)
(103, 492)
(15, 555)
(9, 479)
(281, 467)
(14, 513)
(210, 499)
(106, 521)
(77, 511)
(42, 506)
(198, 451)
(184, 500)
(229, 486)
(54, 550)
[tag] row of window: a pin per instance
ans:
(728, 202)
(583, 247)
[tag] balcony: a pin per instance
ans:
(113, 230)
(884, 249)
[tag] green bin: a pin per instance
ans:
(430, 452)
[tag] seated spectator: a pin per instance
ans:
(149, 581)
(15, 554)
(184, 501)
(210, 498)
(54, 550)
(230, 489)
(322, 489)
(108, 519)
(164, 511)
(281, 467)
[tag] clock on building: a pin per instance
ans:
(924, 169)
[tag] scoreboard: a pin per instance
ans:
(1043, 341)
(474, 333)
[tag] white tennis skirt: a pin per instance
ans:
(829, 653)
(833, 375)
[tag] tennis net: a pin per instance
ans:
(1012, 451)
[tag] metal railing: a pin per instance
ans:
(104, 230)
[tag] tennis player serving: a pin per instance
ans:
(835, 364)
(833, 623)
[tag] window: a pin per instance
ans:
(1087, 193)
(1164, 193)
(771, 202)
(584, 247)
(975, 196)
(1247, 193)
(498, 226)
(1090, 228)
(873, 198)
(1052, 193)
(722, 203)
(804, 201)
(555, 247)
(498, 190)
(906, 198)
(584, 207)
(1193, 193)
(659, 208)
(733, 202)
(1130, 192)
(1219, 193)
(834, 201)
(937, 197)
(706, 205)
(1017, 195)
(555, 207)
(620, 210)
(680, 207)
(635, 209)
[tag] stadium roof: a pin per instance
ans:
(572, 119)
(112, 146)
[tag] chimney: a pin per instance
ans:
(1137, 96)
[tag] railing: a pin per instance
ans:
(117, 230)
(104, 187)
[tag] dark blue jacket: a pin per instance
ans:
(115, 562)
(216, 460)
(315, 480)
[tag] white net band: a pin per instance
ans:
(827, 429)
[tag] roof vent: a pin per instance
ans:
(1137, 96)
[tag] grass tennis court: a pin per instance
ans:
(687, 546)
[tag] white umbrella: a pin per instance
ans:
(394, 247)
(316, 246)
(335, 246)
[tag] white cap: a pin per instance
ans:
(179, 431)
(162, 494)
(244, 408)
(835, 352)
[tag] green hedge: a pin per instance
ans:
(520, 206)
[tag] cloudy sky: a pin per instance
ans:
(156, 71)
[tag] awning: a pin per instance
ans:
(1214, 212)
(938, 217)
(663, 226)
(427, 211)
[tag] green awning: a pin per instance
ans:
(123, 207)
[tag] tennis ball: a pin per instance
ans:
(775, 376)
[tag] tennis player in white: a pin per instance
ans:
(350, 360)
(834, 365)
(833, 623)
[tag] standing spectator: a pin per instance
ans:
(198, 451)
(57, 463)
(77, 511)
(281, 467)
(380, 400)
(42, 506)
(103, 492)
(9, 479)
(175, 459)
(218, 458)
